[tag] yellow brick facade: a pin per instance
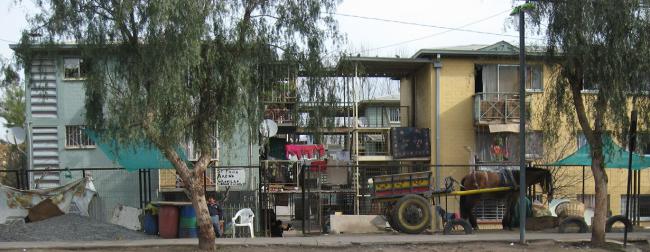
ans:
(458, 130)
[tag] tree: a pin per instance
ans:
(12, 109)
(602, 46)
(172, 70)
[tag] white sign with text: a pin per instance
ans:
(231, 177)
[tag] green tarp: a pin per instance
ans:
(135, 156)
(615, 157)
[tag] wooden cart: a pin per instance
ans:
(408, 201)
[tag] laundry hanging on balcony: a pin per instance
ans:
(304, 151)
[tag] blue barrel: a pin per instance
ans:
(187, 227)
(151, 224)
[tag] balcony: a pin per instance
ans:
(383, 116)
(376, 144)
(497, 108)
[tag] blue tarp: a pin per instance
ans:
(615, 157)
(135, 156)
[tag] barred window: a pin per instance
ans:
(74, 68)
(490, 209)
(76, 138)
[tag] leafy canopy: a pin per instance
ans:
(176, 69)
(602, 46)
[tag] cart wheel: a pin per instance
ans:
(449, 227)
(573, 220)
(412, 214)
(618, 218)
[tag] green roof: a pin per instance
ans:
(615, 157)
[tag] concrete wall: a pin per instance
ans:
(357, 224)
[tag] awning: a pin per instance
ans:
(615, 157)
(135, 156)
(504, 127)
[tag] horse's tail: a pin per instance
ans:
(462, 185)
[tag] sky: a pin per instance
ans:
(372, 27)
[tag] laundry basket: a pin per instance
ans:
(570, 208)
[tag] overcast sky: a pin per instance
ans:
(406, 25)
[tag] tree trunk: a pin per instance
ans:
(193, 180)
(206, 231)
(600, 211)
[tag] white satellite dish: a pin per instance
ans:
(268, 128)
(16, 135)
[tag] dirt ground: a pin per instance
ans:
(470, 246)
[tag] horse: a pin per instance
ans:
(504, 178)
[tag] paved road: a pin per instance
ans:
(325, 240)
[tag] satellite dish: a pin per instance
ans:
(16, 135)
(268, 128)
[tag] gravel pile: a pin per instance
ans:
(69, 227)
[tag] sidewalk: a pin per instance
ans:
(324, 241)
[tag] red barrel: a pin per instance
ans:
(168, 222)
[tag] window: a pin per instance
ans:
(393, 114)
(504, 147)
(534, 77)
(643, 143)
(534, 145)
(505, 78)
(643, 208)
(589, 85)
(590, 200)
(76, 138)
(581, 139)
(74, 68)
(490, 209)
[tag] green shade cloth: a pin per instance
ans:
(615, 157)
(136, 156)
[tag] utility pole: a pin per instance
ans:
(522, 129)
(520, 10)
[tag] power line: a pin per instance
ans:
(8, 41)
(434, 34)
(425, 25)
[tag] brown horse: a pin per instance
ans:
(504, 178)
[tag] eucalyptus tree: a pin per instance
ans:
(600, 51)
(172, 70)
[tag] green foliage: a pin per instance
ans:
(603, 46)
(12, 106)
(172, 70)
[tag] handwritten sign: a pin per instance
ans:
(231, 177)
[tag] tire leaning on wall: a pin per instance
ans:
(618, 218)
(573, 220)
(412, 214)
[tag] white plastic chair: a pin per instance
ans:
(245, 216)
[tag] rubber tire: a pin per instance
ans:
(580, 221)
(618, 218)
(458, 222)
(399, 211)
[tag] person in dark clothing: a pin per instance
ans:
(277, 229)
(215, 213)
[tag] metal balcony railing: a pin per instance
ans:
(374, 143)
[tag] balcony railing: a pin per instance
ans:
(374, 143)
(492, 108)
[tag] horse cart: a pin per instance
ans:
(408, 199)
